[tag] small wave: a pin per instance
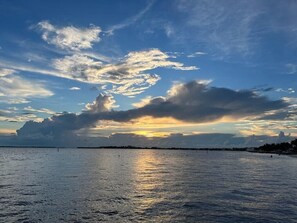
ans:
(4, 186)
(70, 176)
(32, 185)
(10, 214)
(24, 220)
(191, 205)
(86, 217)
(39, 202)
(121, 198)
(22, 203)
(240, 192)
(109, 213)
(139, 196)
(28, 194)
(4, 201)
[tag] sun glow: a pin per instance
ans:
(7, 131)
(149, 126)
(150, 134)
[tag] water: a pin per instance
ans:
(85, 185)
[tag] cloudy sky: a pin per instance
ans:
(201, 73)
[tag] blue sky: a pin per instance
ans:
(58, 56)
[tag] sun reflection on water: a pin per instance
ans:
(148, 180)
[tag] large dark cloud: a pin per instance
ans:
(190, 102)
(196, 102)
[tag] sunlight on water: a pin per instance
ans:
(72, 185)
(147, 180)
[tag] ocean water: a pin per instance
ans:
(88, 185)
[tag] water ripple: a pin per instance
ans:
(43, 185)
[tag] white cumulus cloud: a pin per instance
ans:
(69, 37)
(102, 103)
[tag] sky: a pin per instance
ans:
(180, 73)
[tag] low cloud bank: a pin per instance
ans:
(207, 140)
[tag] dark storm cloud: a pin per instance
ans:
(196, 102)
(190, 102)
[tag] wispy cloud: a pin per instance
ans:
(289, 90)
(15, 89)
(235, 28)
(224, 28)
(265, 127)
(69, 37)
(4, 72)
(18, 66)
(291, 68)
(14, 100)
(129, 21)
(74, 89)
(12, 115)
(197, 54)
(128, 76)
(41, 110)
(169, 30)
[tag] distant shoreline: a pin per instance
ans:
(265, 149)
(41, 147)
(131, 147)
(164, 148)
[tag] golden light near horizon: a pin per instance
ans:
(150, 134)
(149, 126)
(150, 123)
(7, 131)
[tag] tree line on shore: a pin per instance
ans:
(280, 148)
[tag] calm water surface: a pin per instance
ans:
(85, 185)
